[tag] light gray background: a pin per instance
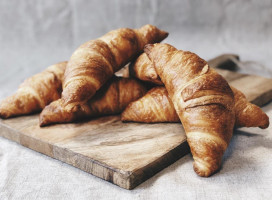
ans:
(38, 33)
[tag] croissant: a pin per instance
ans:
(203, 100)
(112, 98)
(156, 106)
(35, 92)
(248, 114)
(143, 69)
(94, 62)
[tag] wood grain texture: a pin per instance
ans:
(257, 89)
(125, 154)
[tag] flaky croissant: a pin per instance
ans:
(203, 101)
(143, 69)
(248, 114)
(35, 92)
(156, 106)
(112, 98)
(94, 62)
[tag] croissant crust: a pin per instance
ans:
(204, 108)
(35, 92)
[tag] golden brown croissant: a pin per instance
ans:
(35, 92)
(143, 69)
(94, 62)
(156, 106)
(248, 114)
(112, 98)
(203, 100)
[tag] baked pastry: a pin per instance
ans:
(155, 106)
(111, 99)
(203, 101)
(248, 114)
(94, 62)
(143, 69)
(35, 92)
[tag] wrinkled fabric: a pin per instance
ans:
(36, 33)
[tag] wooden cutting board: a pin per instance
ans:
(125, 154)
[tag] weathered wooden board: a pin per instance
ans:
(125, 154)
(257, 89)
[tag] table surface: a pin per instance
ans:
(245, 174)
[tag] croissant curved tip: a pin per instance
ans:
(123, 118)
(204, 170)
(124, 114)
(163, 34)
(48, 118)
(152, 26)
(3, 115)
(160, 33)
(42, 121)
(48, 115)
(42, 124)
(265, 123)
